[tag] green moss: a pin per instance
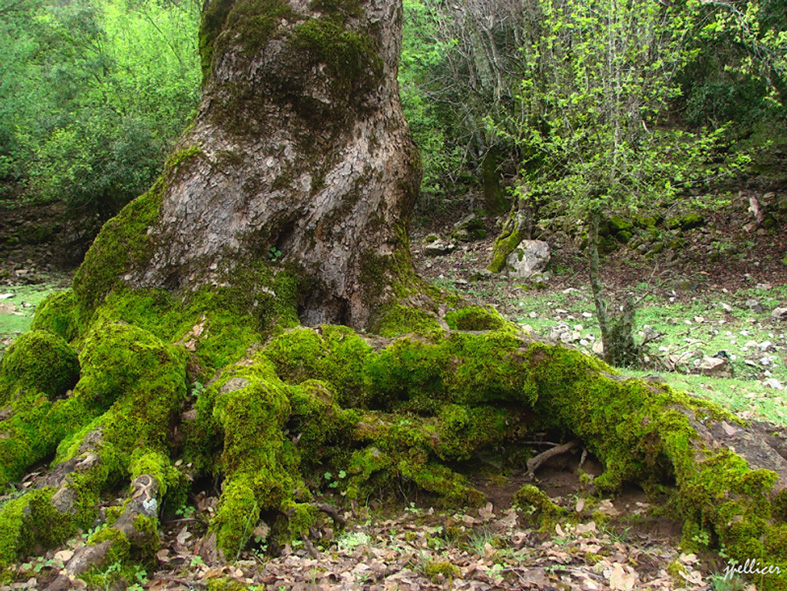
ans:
(475, 318)
(409, 371)
(676, 570)
(398, 319)
(182, 156)
(214, 16)
(537, 508)
(261, 465)
(228, 584)
(619, 224)
(38, 361)
(353, 64)
(122, 244)
(685, 222)
(57, 314)
(434, 568)
(31, 522)
(338, 8)
(155, 464)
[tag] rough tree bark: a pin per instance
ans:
(287, 204)
(299, 152)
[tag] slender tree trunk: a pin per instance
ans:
(617, 329)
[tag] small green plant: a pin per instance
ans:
(334, 483)
(351, 540)
(274, 254)
(722, 582)
(185, 511)
(701, 539)
(197, 389)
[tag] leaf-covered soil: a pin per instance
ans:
(616, 544)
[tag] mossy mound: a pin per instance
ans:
(38, 361)
(57, 314)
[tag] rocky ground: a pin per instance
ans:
(622, 543)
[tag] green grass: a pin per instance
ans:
(16, 313)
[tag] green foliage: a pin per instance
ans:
(96, 94)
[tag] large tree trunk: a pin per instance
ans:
(299, 153)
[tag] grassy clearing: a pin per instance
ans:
(17, 306)
(704, 325)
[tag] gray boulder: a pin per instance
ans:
(530, 257)
(438, 247)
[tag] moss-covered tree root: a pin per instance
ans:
(313, 411)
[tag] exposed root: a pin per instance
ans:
(535, 463)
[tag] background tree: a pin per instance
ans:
(94, 94)
(459, 66)
(592, 122)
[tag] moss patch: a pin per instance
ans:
(38, 361)
(57, 314)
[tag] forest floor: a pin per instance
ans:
(716, 293)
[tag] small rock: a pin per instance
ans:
(715, 366)
(438, 247)
(587, 315)
(779, 314)
(531, 256)
(725, 307)
(5, 296)
(754, 305)
(773, 383)
(765, 346)
(481, 274)
(598, 348)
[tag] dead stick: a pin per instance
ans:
(534, 463)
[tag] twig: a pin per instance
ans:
(186, 520)
(307, 543)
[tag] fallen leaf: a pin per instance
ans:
(607, 508)
(580, 505)
(620, 580)
(64, 556)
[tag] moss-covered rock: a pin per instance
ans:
(537, 508)
(688, 221)
(475, 318)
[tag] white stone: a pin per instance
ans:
(531, 256)
(773, 383)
